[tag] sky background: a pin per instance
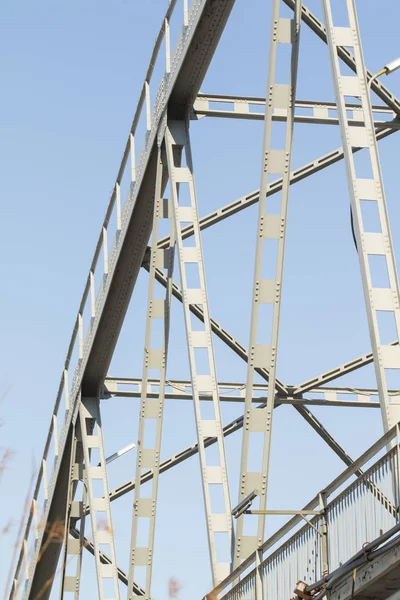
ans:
(71, 74)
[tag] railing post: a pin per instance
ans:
(259, 583)
(396, 482)
(324, 558)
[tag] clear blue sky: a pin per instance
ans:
(71, 74)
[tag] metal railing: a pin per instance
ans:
(364, 511)
(353, 511)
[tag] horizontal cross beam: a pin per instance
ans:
(309, 385)
(181, 390)
(309, 112)
(346, 56)
(238, 424)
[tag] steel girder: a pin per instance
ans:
(295, 397)
(346, 56)
(189, 64)
(303, 172)
(238, 423)
(197, 47)
(367, 187)
(320, 113)
(234, 392)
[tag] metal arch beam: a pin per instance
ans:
(195, 60)
(347, 57)
(192, 71)
(51, 544)
(196, 51)
(177, 108)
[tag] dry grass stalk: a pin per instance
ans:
(5, 458)
(19, 537)
(55, 533)
(174, 587)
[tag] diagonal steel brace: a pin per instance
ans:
(347, 57)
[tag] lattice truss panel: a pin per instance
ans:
(158, 226)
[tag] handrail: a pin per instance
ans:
(381, 443)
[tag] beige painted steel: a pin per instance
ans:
(375, 249)
(151, 409)
(190, 55)
(268, 274)
(203, 374)
(319, 112)
(73, 546)
(236, 393)
(99, 503)
(369, 245)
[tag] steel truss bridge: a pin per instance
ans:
(321, 549)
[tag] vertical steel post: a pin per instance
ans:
(259, 578)
(397, 474)
(267, 287)
(375, 249)
(200, 347)
(151, 409)
(75, 511)
(99, 502)
(324, 558)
